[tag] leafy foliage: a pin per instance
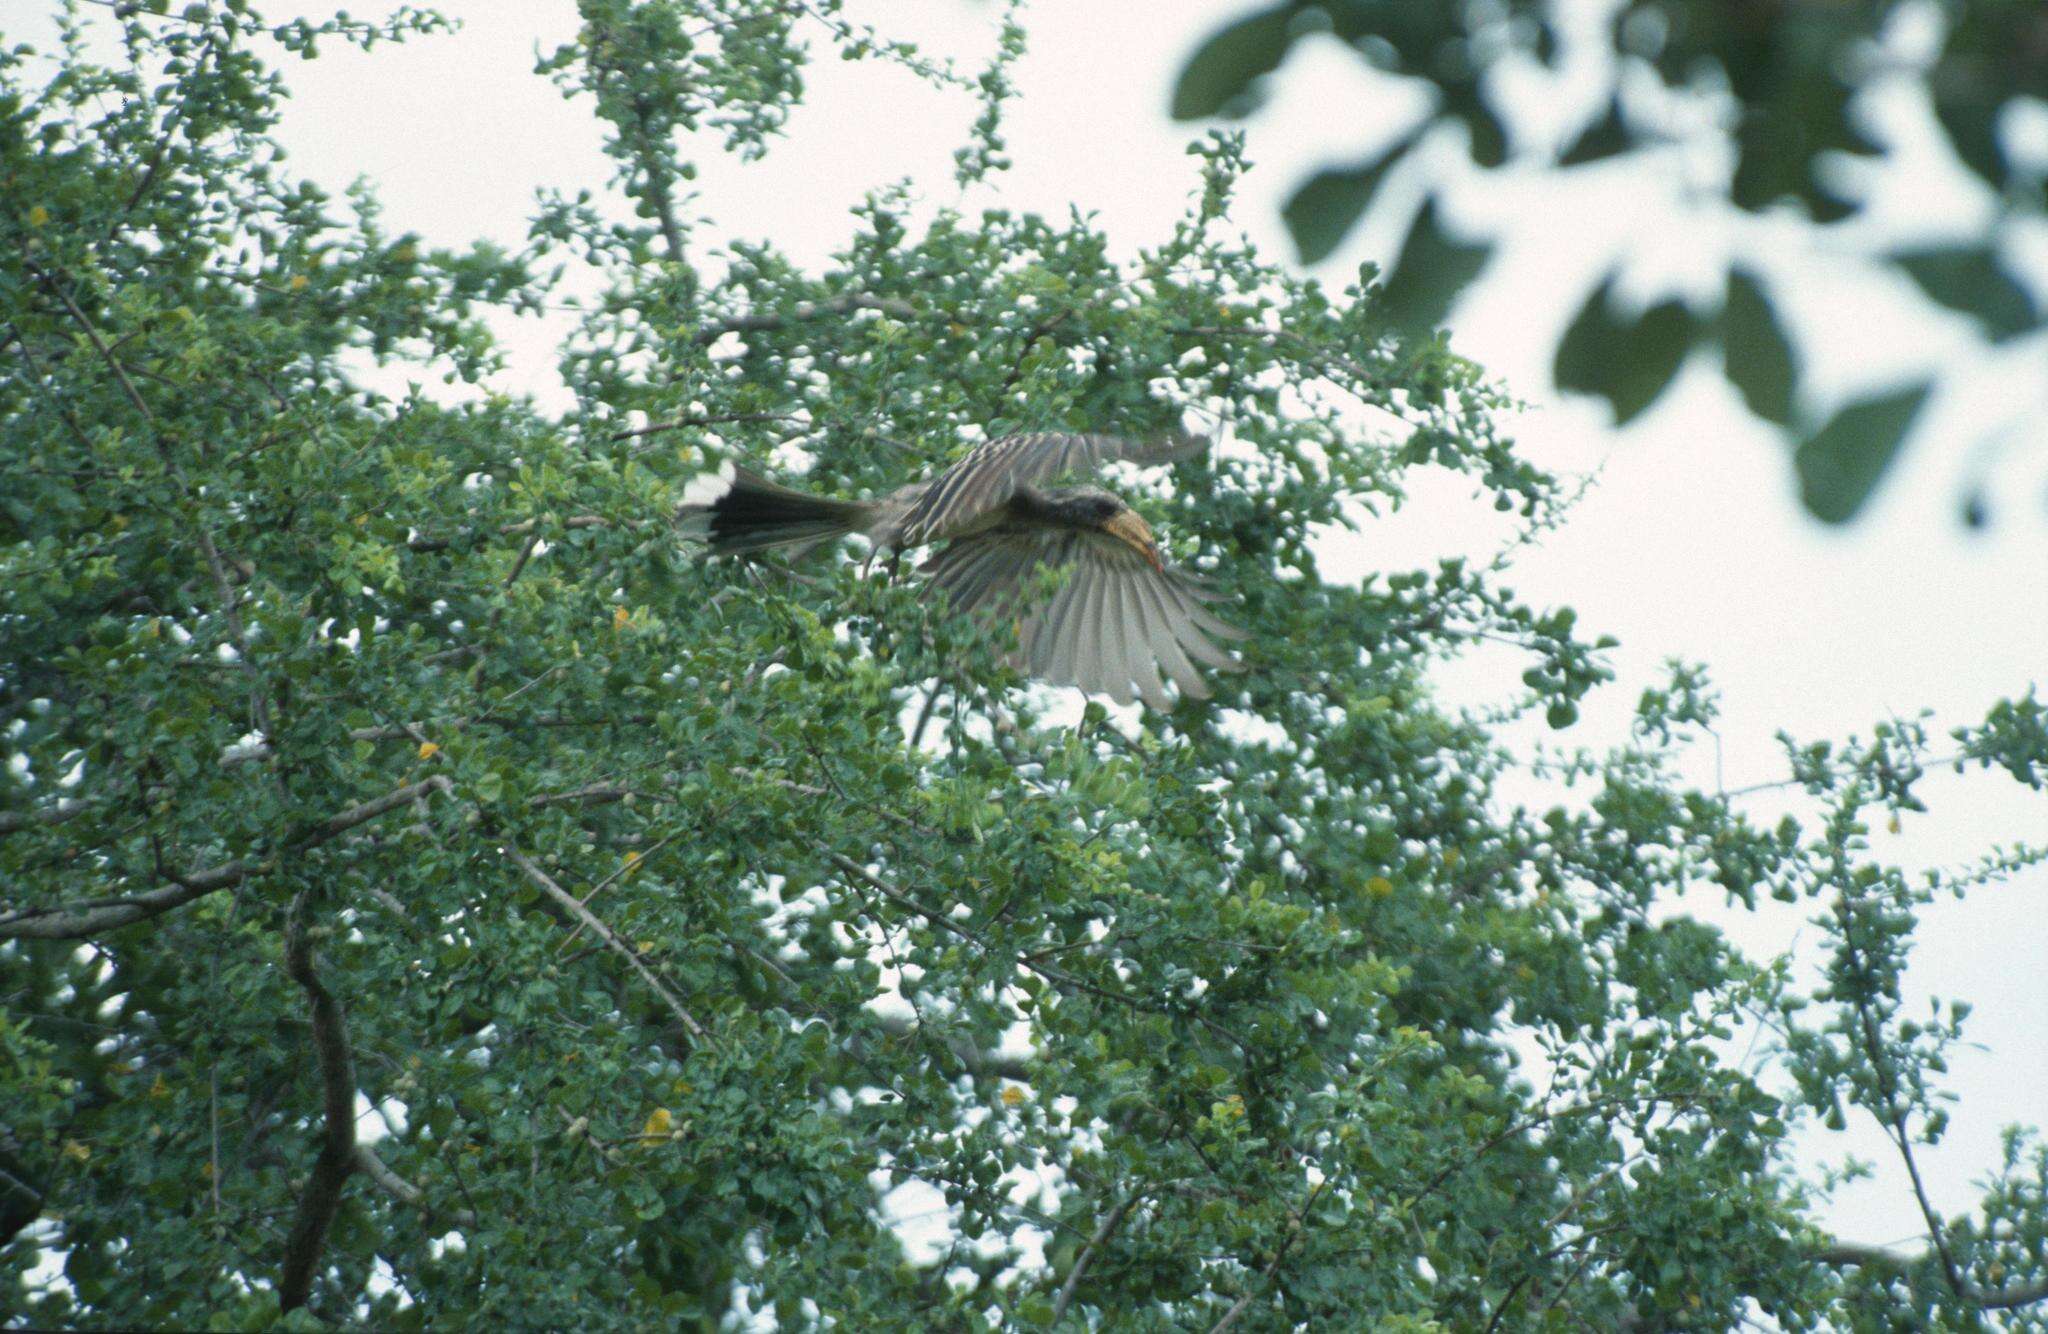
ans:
(1789, 82)
(389, 753)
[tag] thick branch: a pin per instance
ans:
(338, 1146)
(77, 920)
(10, 821)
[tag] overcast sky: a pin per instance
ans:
(1692, 544)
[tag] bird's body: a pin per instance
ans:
(1121, 619)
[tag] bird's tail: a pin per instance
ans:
(752, 513)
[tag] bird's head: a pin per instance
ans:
(1124, 524)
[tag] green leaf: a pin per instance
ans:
(1323, 211)
(1839, 465)
(1755, 352)
(1432, 269)
(1221, 70)
(1971, 280)
(1627, 362)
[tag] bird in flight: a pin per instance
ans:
(1122, 624)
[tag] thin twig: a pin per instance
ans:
(1266, 1278)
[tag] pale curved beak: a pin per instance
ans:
(1131, 530)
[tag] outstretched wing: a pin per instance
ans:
(990, 474)
(1116, 627)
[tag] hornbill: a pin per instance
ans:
(1121, 625)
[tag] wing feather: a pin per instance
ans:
(1115, 626)
(1117, 669)
(989, 474)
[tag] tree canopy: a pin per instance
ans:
(429, 893)
(1781, 98)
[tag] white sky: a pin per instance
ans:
(1691, 546)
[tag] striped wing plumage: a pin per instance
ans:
(990, 474)
(1116, 627)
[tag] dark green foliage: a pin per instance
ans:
(1841, 464)
(399, 734)
(1625, 359)
(1756, 354)
(1794, 75)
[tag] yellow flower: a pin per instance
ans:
(428, 750)
(630, 862)
(298, 282)
(659, 1123)
(1012, 1096)
(621, 618)
(1379, 887)
(38, 215)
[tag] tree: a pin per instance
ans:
(384, 765)
(1783, 94)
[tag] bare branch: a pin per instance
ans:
(590, 919)
(398, 1188)
(338, 1147)
(77, 920)
(1102, 1234)
(10, 821)
(573, 523)
(706, 419)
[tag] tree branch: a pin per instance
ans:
(1266, 1278)
(1102, 1234)
(77, 920)
(1847, 1254)
(803, 311)
(10, 821)
(619, 947)
(338, 1156)
(230, 602)
(398, 1188)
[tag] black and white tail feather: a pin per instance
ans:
(752, 513)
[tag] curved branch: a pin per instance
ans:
(77, 920)
(338, 1157)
